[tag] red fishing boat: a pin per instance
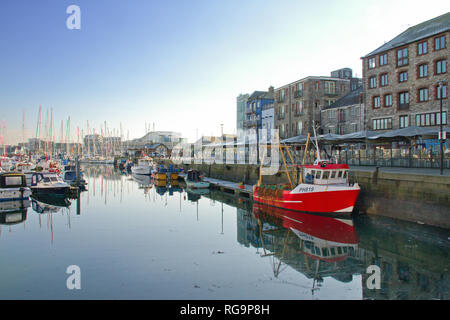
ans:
(322, 187)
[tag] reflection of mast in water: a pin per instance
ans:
(222, 219)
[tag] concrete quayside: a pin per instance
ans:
(410, 194)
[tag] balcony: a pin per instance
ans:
(331, 94)
(298, 94)
(250, 123)
(281, 99)
(403, 106)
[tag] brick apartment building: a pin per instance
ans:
(401, 77)
(299, 103)
(344, 116)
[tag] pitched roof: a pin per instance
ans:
(261, 95)
(423, 30)
(347, 100)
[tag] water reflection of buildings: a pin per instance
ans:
(414, 259)
(316, 246)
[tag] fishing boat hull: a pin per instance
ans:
(309, 198)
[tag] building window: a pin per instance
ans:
(299, 109)
(388, 100)
(403, 97)
(299, 127)
(372, 82)
(441, 66)
(403, 76)
(383, 59)
(382, 124)
(403, 100)
(402, 57)
(444, 92)
(439, 43)
(422, 48)
(331, 114)
(330, 87)
(371, 63)
(431, 119)
(404, 121)
(384, 80)
(376, 102)
(423, 94)
(423, 71)
(282, 112)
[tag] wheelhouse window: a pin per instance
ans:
(402, 57)
(13, 181)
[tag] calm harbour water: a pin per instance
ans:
(134, 240)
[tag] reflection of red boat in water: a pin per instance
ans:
(323, 238)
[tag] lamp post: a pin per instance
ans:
(441, 133)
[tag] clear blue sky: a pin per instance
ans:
(179, 64)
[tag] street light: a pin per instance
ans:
(441, 133)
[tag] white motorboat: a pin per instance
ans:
(48, 183)
(144, 166)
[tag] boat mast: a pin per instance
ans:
(38, 130)
(316, 144)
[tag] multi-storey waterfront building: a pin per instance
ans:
(344, 116)
(401, 77)
(256, 103)
(241, 104)
(299, 103)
